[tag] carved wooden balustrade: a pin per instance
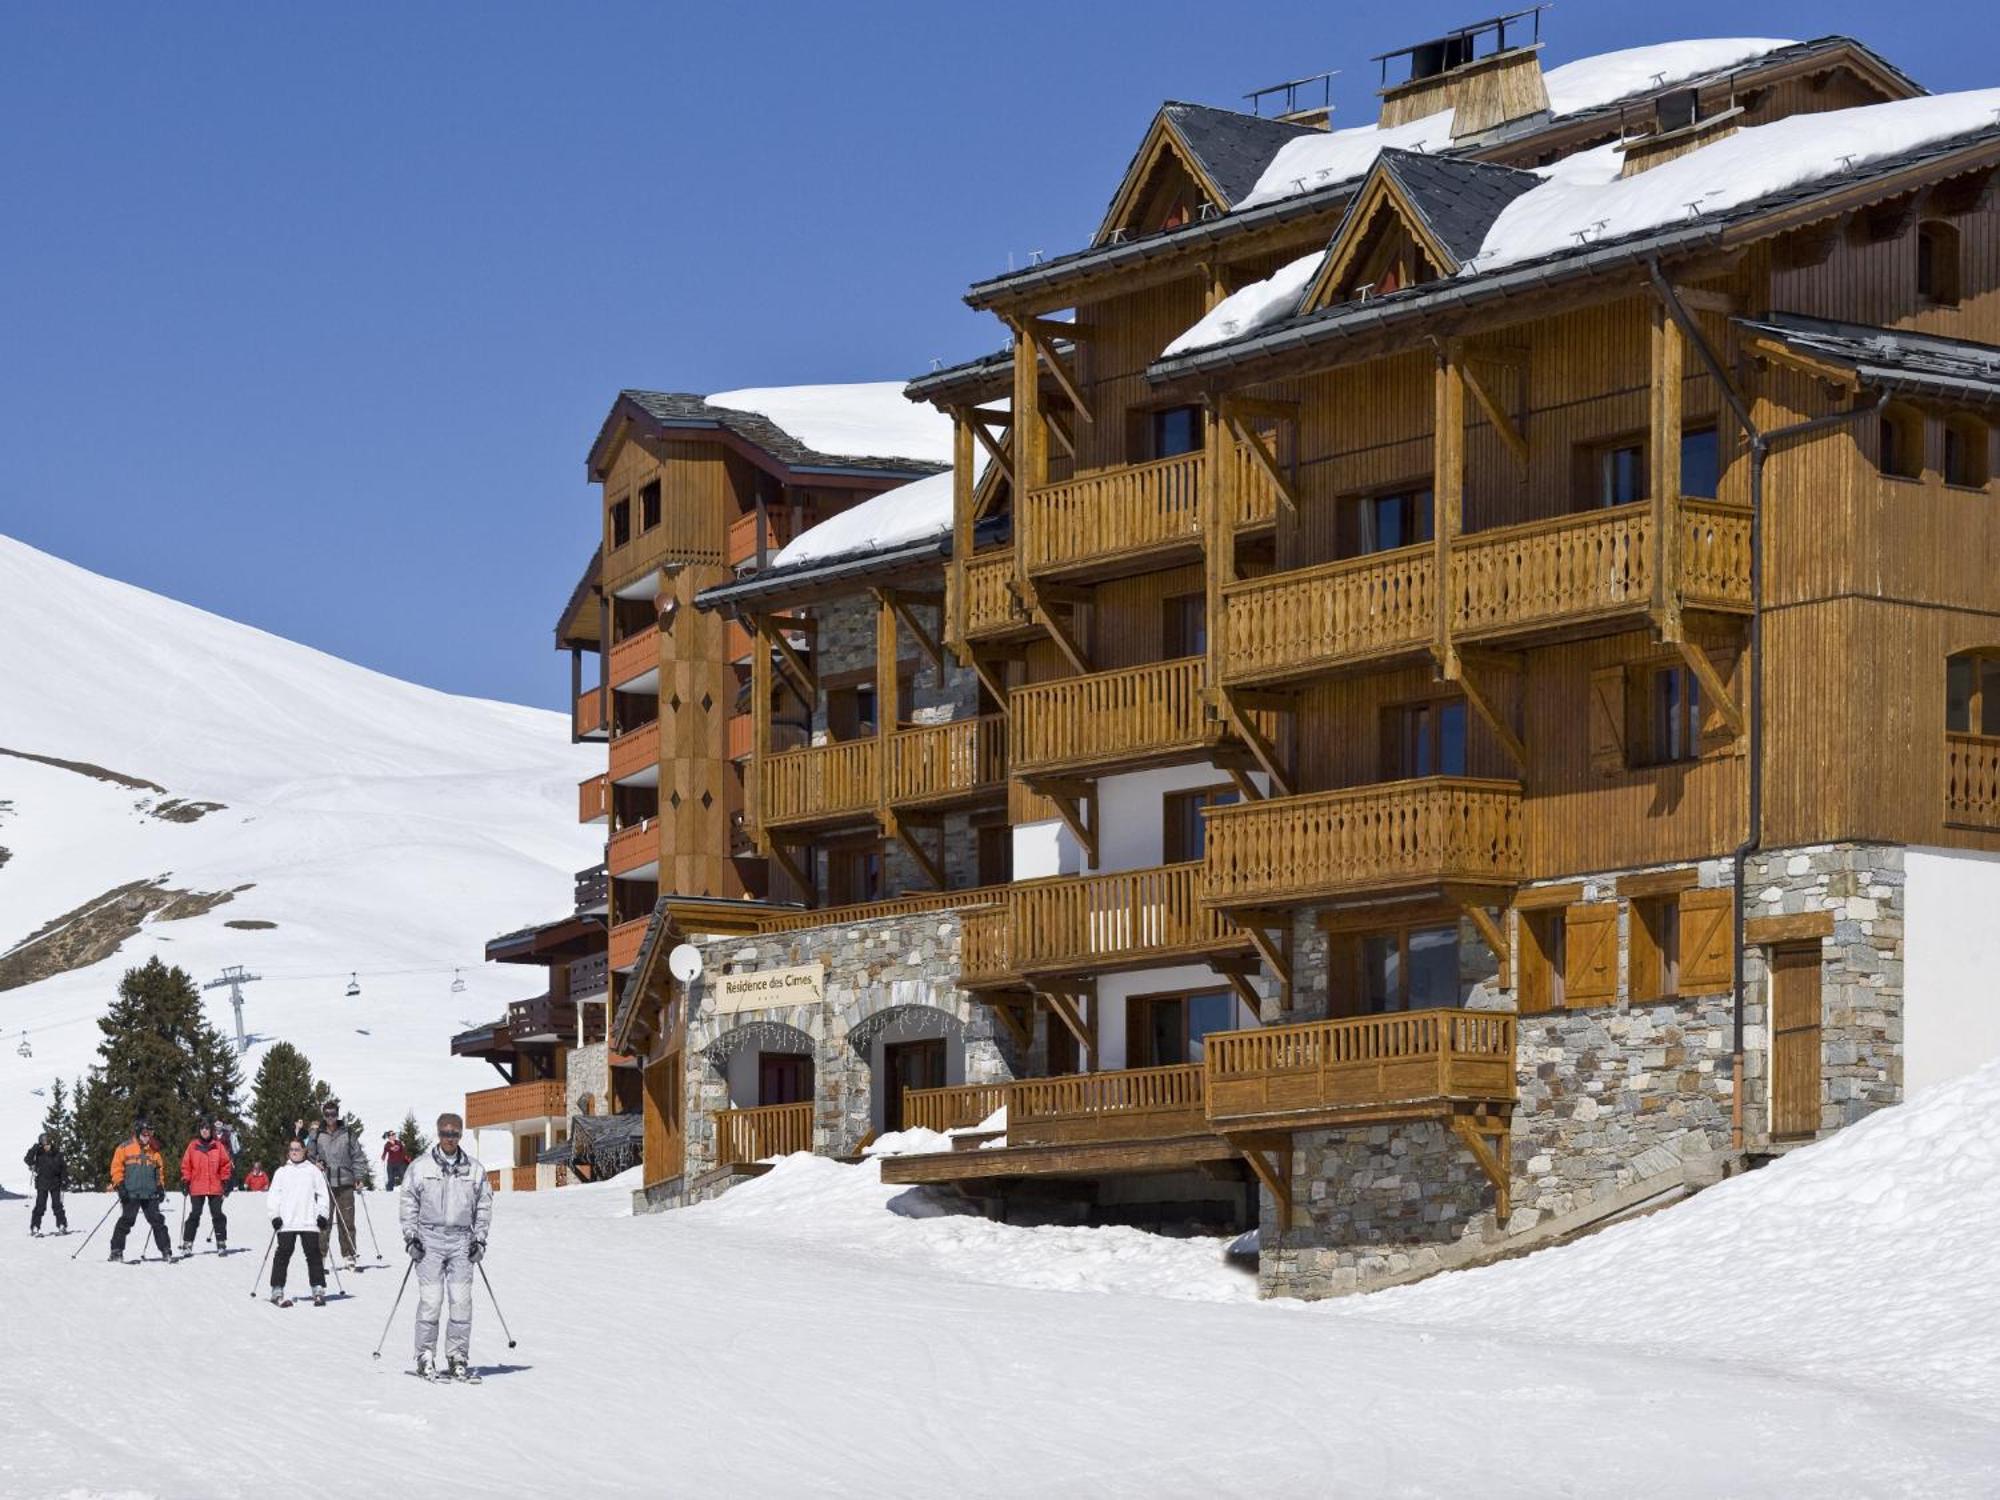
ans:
(819, 782)
(749, 1135)
(1971, 781)
(935, 762)
(1108, 717)
(1396, 834)
(1291, 624)
(1078, 923)
(986, 583)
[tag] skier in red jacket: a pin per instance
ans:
(395, 1157)
(205, 1168)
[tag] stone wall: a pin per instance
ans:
(588, 1072)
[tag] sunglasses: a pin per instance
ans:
(449, 1135)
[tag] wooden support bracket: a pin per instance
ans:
(1247, 789)
(1274, 1171)
(892, 827)
(1714, 690)
(1063, 1006)
(1033, 330)
(1063, 636)
(1495, 936)
(996, 449)
(1503, 422)
(1078, 813)
(1008, 1009)
(930, 645)
(1265, 753)
(1473, 1130)
(1480, 697)
(800, 877)
(1265, 459)
(994, 683)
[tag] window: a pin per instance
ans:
(1184, 626)
(1701, 462)
(1972, 695)
(1424, 739)
(1937, 263)
(784, 1078)
(1611, 473)
(1655, 948)
(853, 875)
(1185, 836)
(1379, 523)
(621, 522)
(996, 853)
(1176, 430)
(1673, 715)
(1409, 968)
(1542, 961)
(1965, 449)
(649, 505)
(1165, 1030)
(1901, 435)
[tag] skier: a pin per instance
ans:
(230, 1138)
(205, 1172)
(259, 1180)
(299, 1204)
(395, 1159)
(51, 1174)
(335, 1151)
(139, 1177)
(446, 1211)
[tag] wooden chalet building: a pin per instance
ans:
(1457, 684)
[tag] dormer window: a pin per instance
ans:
(1937, 263)
(1901, 440)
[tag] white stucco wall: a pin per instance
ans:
(1113, 990)
(1951, 955)
(1131, 825)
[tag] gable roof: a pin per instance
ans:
(683, 414)
(1222, 150)
(1923, 364)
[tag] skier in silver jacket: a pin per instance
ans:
(447, 1209)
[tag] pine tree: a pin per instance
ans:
(414, 1140)
(160, 1061)
(281, 1096)
(56, 1121)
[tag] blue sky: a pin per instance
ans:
(308, 316)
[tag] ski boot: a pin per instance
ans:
(187, 1249)
(349, 1267)
(221, 1248)
(427, 1365)
(461, 1371)
(117, 1255)
(278, 1297)
(319, 1296)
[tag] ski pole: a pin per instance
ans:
(93, 1233)
(328, 1263)
(361, 1196)
(392, 1310)
(481, 1263)
(258, 1279)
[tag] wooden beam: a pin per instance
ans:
(1258, 927)
(926, 642)
(1265, 460)
(1801, 927)
(1473, 1133)
(1264, 408)
(1495, 938)
(1247, 789)
(1066, 642)
(1275, 1173)
(1022, 1031)
(1054, 328)
(1713, 688)
(1664, 455)
(1063, 1008)
(1079, 816)
(995, 685)
(1447, 483)
(1476, 694)
(1260, 747)
(994, 451)
(1060, 433)
(788, 654)
(893, 827)
(1503, 423)
(1705, 299)
(800, 877)
(1042, 346)
(1245, 990)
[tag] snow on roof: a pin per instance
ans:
(870, 419)
(1328, 158)
(1583, 200)
(1591, 82)
(914, 512)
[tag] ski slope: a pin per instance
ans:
(816, 1333)
(385, 828)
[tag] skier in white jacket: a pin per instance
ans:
(300, 1206)
(447, 1209)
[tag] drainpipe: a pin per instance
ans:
(1761, 444)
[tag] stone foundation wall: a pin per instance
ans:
(588, 1074)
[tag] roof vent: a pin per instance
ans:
(1488, 74)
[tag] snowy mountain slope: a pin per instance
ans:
(383, 827)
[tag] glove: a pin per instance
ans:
(416, 1249)
(276, 1224)
(477, 1249)
(322, 1221)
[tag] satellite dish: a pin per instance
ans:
(684, 963)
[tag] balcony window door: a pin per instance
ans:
(1612, 473)
(1972, 695)
(906, 1066)
(853, 876)
(1408, 968)
(1381, 523)
(1424, 739)
(1185, 835)
(1701, 462)
(1183, 626)
(1167, 1030)
(784, 1078)
(1175, 430)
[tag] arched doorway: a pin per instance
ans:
(907, 1047)
(763, 1063)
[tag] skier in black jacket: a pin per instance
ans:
(51, 1173)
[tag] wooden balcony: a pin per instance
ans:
(634, 664)
(587, 720)
(516, 1102)
(986, 581)
(1124, 1104)
(1136, 715)
(1971, 781)
(544, 1018)
(1361, 609)
(820, 784)
(622, 944)
(743, 535)
(750, 1135)
(934, 763)
(593, 799)
(1401, 835)
(953, 1108)
(1136, 513)
(635, 756)
(634, 853)
(1389, 1067)
(1091, 923)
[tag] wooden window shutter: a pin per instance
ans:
(1607, 721)
(1531, 965)
(1716, 736)
(1707, 932)
(1590, 976)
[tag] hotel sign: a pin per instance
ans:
(767, 989)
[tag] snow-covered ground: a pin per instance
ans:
(1818, 1328)
(383, 827)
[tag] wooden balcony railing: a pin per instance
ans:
(635, 752)
(743, 535)
(522, 1179)
(632, 849)
(1071, 924)
(987, 581)
(1364, 839)
(747, 1135)
(545, 1016)
(587, 977)
(1109, 717)
(953, 1108)
(1125, 1104)
(593, 799)
(592, 888)
(742, 733)
(634, 657)
(933, 762)
(1288, 624)
(1256, 496)
(1715, 554)
(588, 721)
(873, 911)
(1971, 781)
(819, 782)
(1135, 508)
(621, 949)
(1364, 1065)
(541, 1100)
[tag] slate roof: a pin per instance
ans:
(1233, 148)
(683, 410)
(1890, 357)
(1458, 199)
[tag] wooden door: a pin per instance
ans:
(1795, 1041)
(909, 1065)
(784, 1078)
